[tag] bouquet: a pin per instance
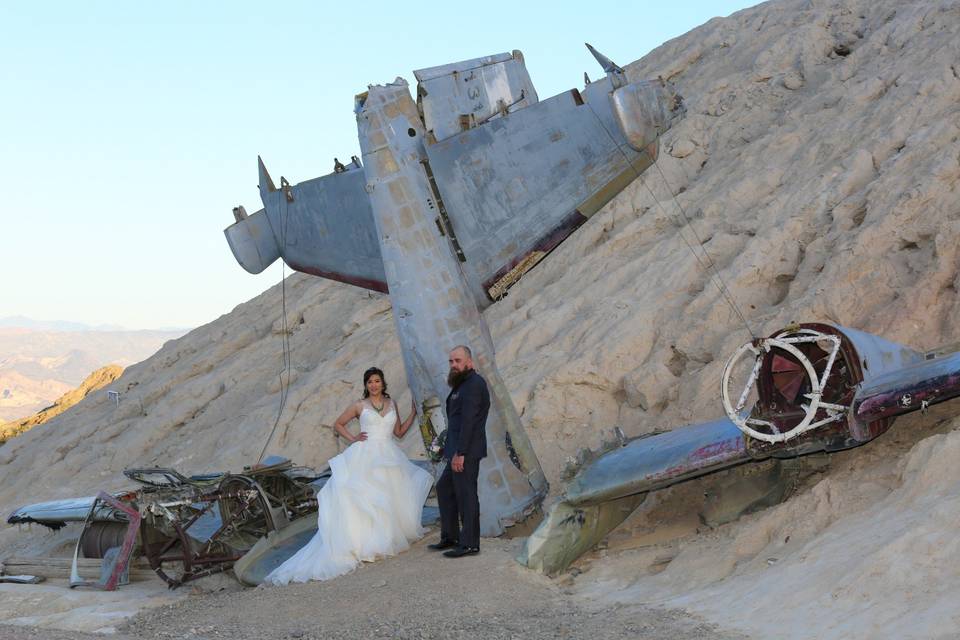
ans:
(435, 450)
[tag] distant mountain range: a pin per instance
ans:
(66, 325)
(41, 360)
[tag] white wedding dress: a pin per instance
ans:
(370, 508)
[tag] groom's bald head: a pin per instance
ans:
(461, 358)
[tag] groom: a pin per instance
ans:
(466, 444)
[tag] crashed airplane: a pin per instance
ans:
(808, 388)
(459, 193)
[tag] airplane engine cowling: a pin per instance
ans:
(806, 378)
(645, 110)
(252, 242)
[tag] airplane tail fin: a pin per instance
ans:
(609, 66)
(323, 227)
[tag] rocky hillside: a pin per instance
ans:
(94, 382)
(819, 166)
(39, 362)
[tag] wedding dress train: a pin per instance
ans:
(370, 507)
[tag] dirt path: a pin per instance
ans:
(417, 595)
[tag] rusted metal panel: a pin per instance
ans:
(115, 570)
(909, 389)
(202, 523)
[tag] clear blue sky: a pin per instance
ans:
(128, 130)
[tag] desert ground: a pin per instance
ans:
(416, 595)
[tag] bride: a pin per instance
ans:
(371, 506)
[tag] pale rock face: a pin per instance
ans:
(818, 167)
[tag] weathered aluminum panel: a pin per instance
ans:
(878, 356)
(252, 242)
(659, 461)
(433, 308)
(525, 182)
(322, 226)
(643, 112)
(908, 389)
(58, 512)
(455, 96)
(568, 531)
(521, 178)
(605, 493)
(441, 70)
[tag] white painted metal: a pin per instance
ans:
(786, 342)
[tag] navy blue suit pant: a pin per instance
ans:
(459, 504)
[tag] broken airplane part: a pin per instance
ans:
(808, 388)
(190, 527)
(186, 527)
(460, 192)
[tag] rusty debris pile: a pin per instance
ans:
(185, 527)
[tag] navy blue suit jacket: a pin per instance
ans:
(467, 408)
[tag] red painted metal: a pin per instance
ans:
(126, 549)
(365, 283)
(546, 244)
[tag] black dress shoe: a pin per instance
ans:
(459, 552)
(443, 544)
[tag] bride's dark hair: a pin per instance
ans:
(373, 371)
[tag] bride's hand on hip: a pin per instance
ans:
(361, 437)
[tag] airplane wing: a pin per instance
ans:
(323, 226)
(846, 385)
(57, 513)
(515, 175)
(516, 182)
(912, 388)
(606, 492)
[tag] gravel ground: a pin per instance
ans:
(418, 595)
(8, 632)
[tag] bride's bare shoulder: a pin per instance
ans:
(357, 407)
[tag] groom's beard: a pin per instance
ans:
(454, 377)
